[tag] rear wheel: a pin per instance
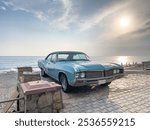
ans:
(43, 74)
(64, 83)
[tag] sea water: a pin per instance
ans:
(10, 63)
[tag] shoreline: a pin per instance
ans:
(15, 70)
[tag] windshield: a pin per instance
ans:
(72, 57)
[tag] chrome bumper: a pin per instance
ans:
(96, 81)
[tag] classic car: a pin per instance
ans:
(73, 69)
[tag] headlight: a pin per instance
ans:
(82, 75)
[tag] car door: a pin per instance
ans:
(47, 64)
(51, 65)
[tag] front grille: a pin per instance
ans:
(94, 74)
(109, 72)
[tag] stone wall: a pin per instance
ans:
(49, 101)
(21, 70)
(46, 102)
(30, 76)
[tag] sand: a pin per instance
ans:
(8, 83)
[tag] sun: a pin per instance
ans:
(124, 22)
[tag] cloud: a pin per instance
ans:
(142, 31)
(67, 17)
(99, 17)
(2, 8)
(92, 22)
(68, 14)
(147, 23)
(65, 13)
(54, 12)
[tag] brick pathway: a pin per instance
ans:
(129, 94)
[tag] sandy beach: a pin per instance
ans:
(8, 83)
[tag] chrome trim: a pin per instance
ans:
(109, 77)
(93, 70)
(94, 81)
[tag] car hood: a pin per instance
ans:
(90, 66)
(112, 65)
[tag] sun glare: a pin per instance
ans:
(124, 22)
(122, 60)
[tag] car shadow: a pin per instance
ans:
(84, 91)
(94, 100)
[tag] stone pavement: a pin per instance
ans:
(130, 94)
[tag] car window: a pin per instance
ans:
(49, 58)
(53, 59)
(63, 57)
(68, 57)
(79, 57)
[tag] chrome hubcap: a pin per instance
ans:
(64, 83)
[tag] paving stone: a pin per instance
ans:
(130, 95)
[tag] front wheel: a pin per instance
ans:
(64, 83)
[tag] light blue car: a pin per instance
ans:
(73, 69)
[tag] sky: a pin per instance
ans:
(96, 27)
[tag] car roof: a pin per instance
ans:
(67, 52)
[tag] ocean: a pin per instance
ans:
(10, 63)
